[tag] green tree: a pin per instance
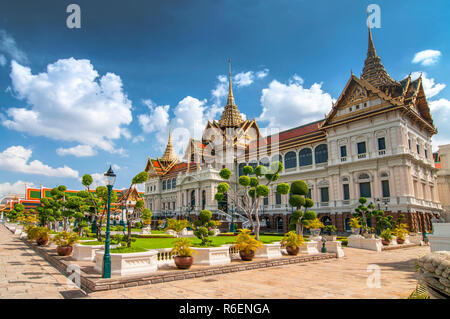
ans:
(255, 189)
(299, 190)
(18, 211)
(364, 212)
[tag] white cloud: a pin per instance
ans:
(8, 47)
(138, 139)
(15, 158)
(427, 57)
(78, 151)
(290, 105)
(2, 60)
(262, 74)
(430, 87)
(70, 102)
(98, 180)
(16, 188)
(115, 167)
(440, 111)
(157, 119)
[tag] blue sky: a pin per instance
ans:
(110, 90)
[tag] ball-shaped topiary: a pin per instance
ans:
(296, 215)
(223, 187)
(283, 188)
(272, 177)
(252, 192)
(363, 200)
(225, 173)
(219, 197)
(276, 167)
(205, 216)
(297, 201)
(262, 191)
(299, 188)
(308, 202)
(247, 170)
(260, 170)
(254, 182)
(310, 215)
(244, 180)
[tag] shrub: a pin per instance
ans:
(254, 182)
(64, 239)
(354, 222)
(313, 224)
(177, 225)
(137, 225)
(262, 190)
(204, 226)
(246, 242)
(219, 197)
(291, 239)
(401, 231)
(247, 170)
(310, 215)
(260, 170)
(244, 180)
(387, 234)
(328, 229)
(37, 233)
(309, 202)
(182, 248)
(296, 200)
(252, 192)
(283, 188)
(225, 173)
(299, 187)
(223, 187)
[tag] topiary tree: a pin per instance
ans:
(146, 217)
(299, 189)
(364, 212)
(16, 213)
(204, 227)
(254, 190)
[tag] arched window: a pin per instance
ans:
(326, 220)
(174, 182)
(169, 184)
(276, 158)
(290, 160)
(305, 157)
(321, 153)
(241, 168)
(193, 198)
(253, 164)
(279, 224)
(347, 224)
(164, 185)
(203, 199)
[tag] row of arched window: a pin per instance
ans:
(305, 158)
(169, 183)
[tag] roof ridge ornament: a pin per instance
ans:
(231, 117)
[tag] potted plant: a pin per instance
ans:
(330, 230)
(314, 226)
(183, 253)
(40, 234)
(386, 236)
(64, 242)
(355, 225)
(400, 232)
(247, 244)
(292, 242)
(369, 232)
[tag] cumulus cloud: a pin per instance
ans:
(9, 48)
(16, 159)
(427, 57)
(292, 104)
(70, 102)
(157, 119)
(430, 87)
(440, 111)
(15, 188)
(78, 151)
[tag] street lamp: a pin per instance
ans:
(110, 178)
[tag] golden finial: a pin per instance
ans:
(230, 100)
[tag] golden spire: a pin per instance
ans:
(230, 116)
(374, 71)
(169, 154)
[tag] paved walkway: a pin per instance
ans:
(24, 274)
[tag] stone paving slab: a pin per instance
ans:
(24, 274)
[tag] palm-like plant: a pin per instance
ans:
(182, 248)
(65, 239)
(291, 239)
(247, 243)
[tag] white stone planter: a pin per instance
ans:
(310, 247)
(187, 233)
(416, 238)
(85, 252)
(129, 264)
(335, 247)
(171, 232)
(18, 230)
(358, 241)
(212, 255)
(269, 251)
(330, 237)
(440, 239)
(393, 241)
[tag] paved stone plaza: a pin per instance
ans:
(23, 274)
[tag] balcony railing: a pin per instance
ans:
(382, 152)
(343, 159)
(363, 155)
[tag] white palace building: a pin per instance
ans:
(375, 142)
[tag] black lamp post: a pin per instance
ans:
(110, 178)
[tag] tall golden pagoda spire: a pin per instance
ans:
(231, 117)
(374, 71)
(169, 154)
